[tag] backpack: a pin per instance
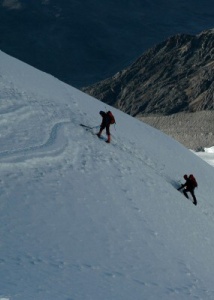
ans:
(193, 180)
(111, 117)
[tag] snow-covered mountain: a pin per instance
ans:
(81, 219)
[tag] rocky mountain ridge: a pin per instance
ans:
(176, 75)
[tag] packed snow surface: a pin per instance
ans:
(207, 155)
(84, 220)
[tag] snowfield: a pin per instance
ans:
(84, 220)
(207, 155)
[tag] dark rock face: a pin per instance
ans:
(83, 42)
(175, 76)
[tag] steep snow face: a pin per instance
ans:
(81, 219)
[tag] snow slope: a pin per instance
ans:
(207, 155)
(84, 220)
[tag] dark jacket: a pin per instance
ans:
(188, 185)
(106, 119)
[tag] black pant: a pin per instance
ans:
(192, 193)
(107, 127)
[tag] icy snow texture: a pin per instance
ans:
(84, 220)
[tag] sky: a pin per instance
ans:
(81, 219)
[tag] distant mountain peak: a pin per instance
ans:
(174, 76)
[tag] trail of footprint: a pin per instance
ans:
(142, 157)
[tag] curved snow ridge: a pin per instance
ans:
(10, 109)
(10, 118)
(54, 146)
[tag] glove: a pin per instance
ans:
(180, 187)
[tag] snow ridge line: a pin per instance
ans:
(49, 148)
(10, 109)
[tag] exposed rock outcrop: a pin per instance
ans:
(176, 75)
(170, 87)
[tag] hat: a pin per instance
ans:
(102, 113)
